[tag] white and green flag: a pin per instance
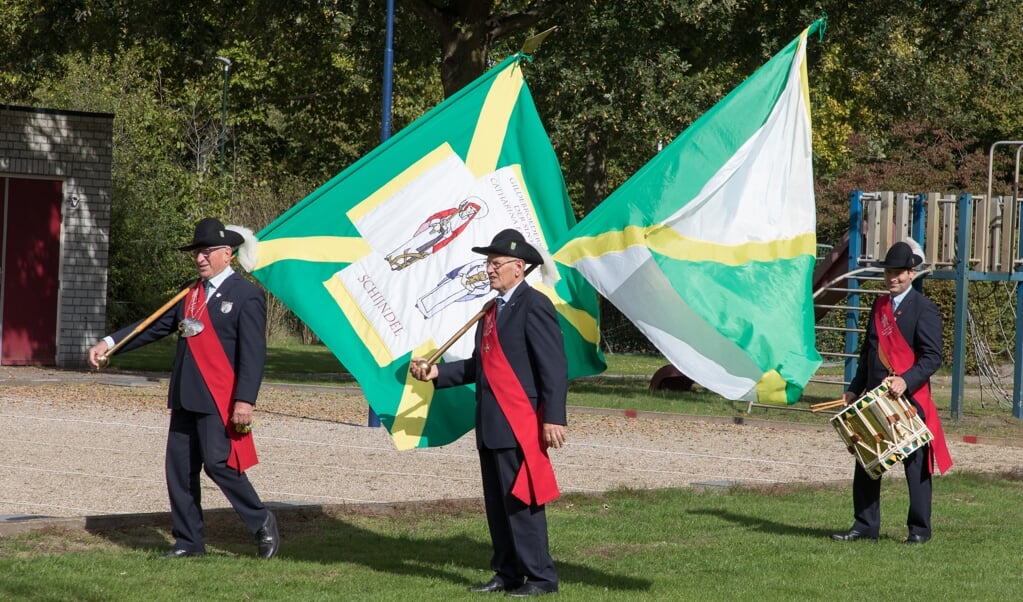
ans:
(377, 261)
(710, 247)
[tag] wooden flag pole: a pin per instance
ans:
(436, 355)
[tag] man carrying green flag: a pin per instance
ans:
(378, 261)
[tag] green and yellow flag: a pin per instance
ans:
(710, 247)
(377, 261)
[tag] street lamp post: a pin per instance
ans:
(226, 62)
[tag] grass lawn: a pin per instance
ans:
(672, 544)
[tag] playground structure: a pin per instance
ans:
(965, 237)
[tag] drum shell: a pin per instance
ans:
(881, 430)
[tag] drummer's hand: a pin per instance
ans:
(422, 370)
(848, 397)
(896, 385)
(97, 351)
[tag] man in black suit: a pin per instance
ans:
(521, 377)
(903, 348)
(216, 375)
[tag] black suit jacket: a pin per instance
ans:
(238, 314)
(531, 339)
(919, 321)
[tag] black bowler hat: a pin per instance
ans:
(900, 257)
(210, 232)
(510, 243)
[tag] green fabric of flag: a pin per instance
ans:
(377, 261)
(710, 247)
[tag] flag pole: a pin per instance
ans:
(436, 355)
(385, 126)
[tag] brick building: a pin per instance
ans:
(55, 182)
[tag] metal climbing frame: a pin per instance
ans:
(985, 230)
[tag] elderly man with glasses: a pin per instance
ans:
(521, 377)
(215, 378)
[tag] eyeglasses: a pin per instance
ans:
(207, 251)
(496, 265)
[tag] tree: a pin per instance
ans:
(620, 79)
(467, 30)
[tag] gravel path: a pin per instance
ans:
(83, 444)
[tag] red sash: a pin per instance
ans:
(535, 483)
(896, 354)
(218, 374)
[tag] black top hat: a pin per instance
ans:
(900, 257)
(510, 243)
(210, 232)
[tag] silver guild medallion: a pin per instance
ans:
(189, 327)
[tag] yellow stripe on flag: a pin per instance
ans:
(323, 249)
(420, 167)
(771, 389)
(416, 396)
(804, 78)
(492, 124)
(360, 324)
(591, 247)
(584, 323)
(668, 242)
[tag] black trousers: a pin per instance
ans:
(867, 496)
(196, 442)
(518, 532)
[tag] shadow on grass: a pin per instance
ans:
(758, 523)
(322, 535)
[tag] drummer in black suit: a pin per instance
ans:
(521, 377)
(904, 357)
(215, 378)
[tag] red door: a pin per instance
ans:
(31, 259)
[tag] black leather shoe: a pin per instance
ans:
(179, 553)
(534, 589)
(268, 538)
(852, 535)
(496, 584)
(918, 539)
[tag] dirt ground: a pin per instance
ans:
(76, 444)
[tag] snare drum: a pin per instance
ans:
(880, 430)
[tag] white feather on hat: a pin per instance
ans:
(918, 251)
(548, 271)
(247, 252)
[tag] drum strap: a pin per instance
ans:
(896, 355)
(535, 483)
(218, 374)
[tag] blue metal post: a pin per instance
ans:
(918, 230)
(385, 129)
(852, 322)
(385, 121)
(1017, 367)
(962, 288)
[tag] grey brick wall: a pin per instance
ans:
(77, 148)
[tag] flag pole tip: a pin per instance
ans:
(531, 44)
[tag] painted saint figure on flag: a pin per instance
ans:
(464, 283)
(435, 233)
